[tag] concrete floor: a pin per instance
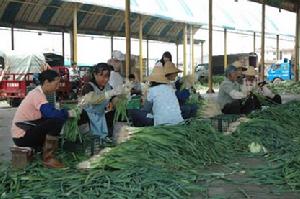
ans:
(6, 116)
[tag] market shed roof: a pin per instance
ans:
(162, 19)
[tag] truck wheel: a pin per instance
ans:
(277, 80)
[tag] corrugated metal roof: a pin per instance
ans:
(163, 19)
(56, 15)
(290, 5)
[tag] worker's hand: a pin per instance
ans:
(72, 113)
(261, 84)
(114, 92)
(86, 99)
(91, 98)
(267, 92)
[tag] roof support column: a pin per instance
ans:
(202, 53)
(127, 32)
(141, 47)
(192, 52)
(184, 48)
(111, 46)
(210, 13)
(147, 57)
(254, 41)
(74, 36)
(277, 48)
(262, 52)
(225, 48)
(63, 44)
(12, 38)
(297, 46)
(177, 55)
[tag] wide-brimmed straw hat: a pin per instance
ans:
(158, 75)
(239, 65)
(170, 68)
(250, 71)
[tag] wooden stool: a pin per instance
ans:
(21, 156)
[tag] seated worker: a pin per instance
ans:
(136, 88)
(240, 69)
(182, 94)
(250, 84)
(97, 94)
(166, 56)
(37, 123)
(232, 99)
(161, 101)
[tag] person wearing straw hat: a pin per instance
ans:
(161, 101)
(250, 84)
(231, 98)
(182, 94)
(240, 68)
(250, 80)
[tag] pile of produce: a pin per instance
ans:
(277, 131)
(157, 162)
(286, 87)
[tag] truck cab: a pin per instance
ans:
(280, 72)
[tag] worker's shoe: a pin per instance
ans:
(49, 148)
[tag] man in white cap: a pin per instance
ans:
(116, 80)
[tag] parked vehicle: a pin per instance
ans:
(64, 92)
(280, 71)
(201, 71)
(17, 74)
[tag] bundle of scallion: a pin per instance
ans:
(71, 130)
(121, 108)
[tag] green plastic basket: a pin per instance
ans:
(134, 103)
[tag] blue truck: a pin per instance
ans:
(280, 72)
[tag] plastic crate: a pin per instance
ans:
(134, 103)
(222, 122)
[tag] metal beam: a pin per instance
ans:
(262, 52)
(74, 33)
(184, 48)
(147, 57)
(254, 41)
(63, 44)
(277, 48)
(192, 53)
(210, 50)
(177, 55)
(141, 47)
(202, 53)
(225, 48)
(297, 46)
(191, 46)
(111, 46)
(127, 32)
(12, 38)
